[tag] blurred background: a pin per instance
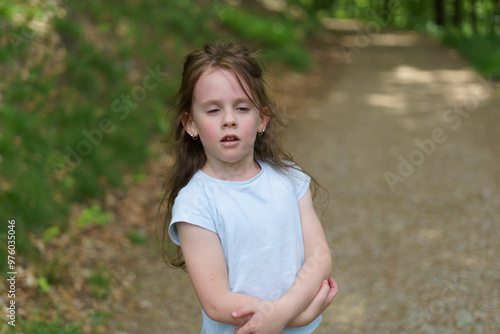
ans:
(84, 90)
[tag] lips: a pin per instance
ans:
(230, 138)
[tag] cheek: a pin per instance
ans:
(250, 128)
(209, 131)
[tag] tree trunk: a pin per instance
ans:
(496, 12)
(457, 17)
(473, 17)
(385, 11)
(439, 12)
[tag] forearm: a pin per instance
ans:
(317, 262)
(321, 301)
(221, 308)
(316, 269)
(207, 270)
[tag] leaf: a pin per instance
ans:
(43, 284)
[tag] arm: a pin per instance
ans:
(321, 301)
(317, 268)
(207, 270)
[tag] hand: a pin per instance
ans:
(321, 301)
(264, 319)
(324, 297)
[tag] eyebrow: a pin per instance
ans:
(214, 101)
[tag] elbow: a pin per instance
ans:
(216, 310)
(212, 311)
(324, 261)
(320, 262)
(219, 311)
(328, 267)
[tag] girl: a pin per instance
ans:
(238, 206)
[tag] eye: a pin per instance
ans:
(243, 109)
(212, 111)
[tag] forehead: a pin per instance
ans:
(219, 83)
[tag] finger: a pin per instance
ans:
(331, 281)
(322, 294)
(250, 326)
(333, 284)
(244, 310)
(333, 291)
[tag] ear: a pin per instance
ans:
(264, 119)
(189, 126)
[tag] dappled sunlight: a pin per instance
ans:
(408, 89)
(411, 74)
(341, 24)
(455, 76)
(399, 40)
(274, 5)
(388, 101)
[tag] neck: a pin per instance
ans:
(237, 171)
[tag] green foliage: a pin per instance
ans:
(50, 233)
(137, 237)
(100, 317)
(43, 327)
(43, 284)
(483, 52)
(477, 40)
(93, 215)
(76, 114)
(100, 284)
(78, 117)
(281, 38)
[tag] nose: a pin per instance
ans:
(228, 120)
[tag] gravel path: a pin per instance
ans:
(406, 141)
(407, 144)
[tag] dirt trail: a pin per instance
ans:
(406, 140)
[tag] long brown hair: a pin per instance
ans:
(187, 154)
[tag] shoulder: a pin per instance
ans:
(192, 205)
(194, 192)
(293, 175)
(293, 172)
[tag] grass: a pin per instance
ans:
(76, 116)
(79, 118)
(68, 135)
(481, 51)
(281, 38)
(42, 327)
(100, 283)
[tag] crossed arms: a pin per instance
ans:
(310, 294)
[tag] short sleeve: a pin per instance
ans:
(191, 206)
(300, 181)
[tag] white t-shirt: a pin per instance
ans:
(258, 224)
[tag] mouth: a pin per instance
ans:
(229, 138)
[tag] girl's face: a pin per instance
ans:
(224, 118)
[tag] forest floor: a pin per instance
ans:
(406, 139)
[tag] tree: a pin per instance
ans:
(494, 15)
(440, 12)
(473, 16)
(457, 15)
